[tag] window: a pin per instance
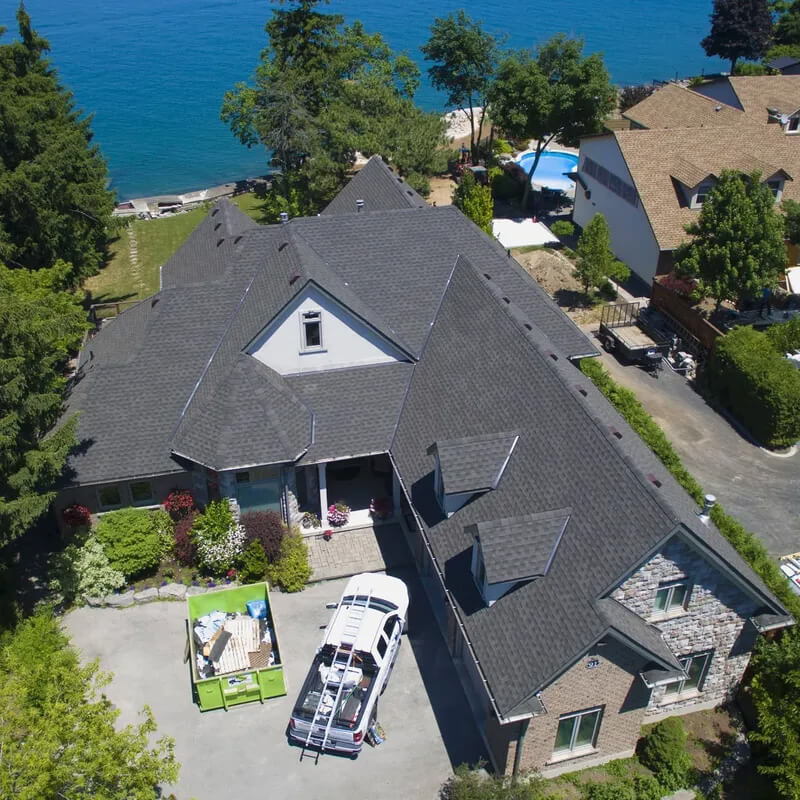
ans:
(695, 667)
(577, 731)
(388, 627)
(109, 497)
(702, 194)
(612, 181)
(481, 576)
(242, 477)
(141, 493)
(440, 488)
(382, 645)
(311, 324)
(775, 188)
(794, 125)
(671, 598)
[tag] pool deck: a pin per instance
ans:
(521, 232)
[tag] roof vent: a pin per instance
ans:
(282, 245)
(284, 217)
(717, 108)
(215, 212)
(615, 432)
(219, 242)
(655, 481)
(293, 280)
(217, 226)
(582, 391)
(237, 239)
(506, 300)
(554, 356)
(359, 205)
(709, 501)
(527, 326)
(487, 276)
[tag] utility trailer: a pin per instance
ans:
(351, 668)
(634, 333)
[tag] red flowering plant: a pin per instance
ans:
(179, 503)
(328, 535)
(380, 507)
(76, 515)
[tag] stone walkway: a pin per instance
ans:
(358, 550)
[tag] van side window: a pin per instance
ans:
(388, 627)
(382, 643)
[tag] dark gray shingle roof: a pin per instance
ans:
(474, 463)
(378, 187)
(521, 547)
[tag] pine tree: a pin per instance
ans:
(739, 29)
(474, 201)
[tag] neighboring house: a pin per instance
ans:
(650, 182)
(402, 351)
(786, 65)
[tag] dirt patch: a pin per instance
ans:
(441, 191)
(709, 736)
(553, 272)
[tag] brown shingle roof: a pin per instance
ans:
(757, 93)
(673, 106)
(655, 156)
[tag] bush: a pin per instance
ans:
(749, 68)
(504, 187)
(165, 529)
(131, 540)
(267, 528)
(76, 516)
(607, 291)
(84, 571)
(253, 563)
(184, 546)
(179, 503)
(562, 227)
(619, 789)
(338, 514)
(475, 784)
(784, 338)
(419, 183)
(503, 146)
(663, 751)
(291, 570)
(758, 385)
(219, 540)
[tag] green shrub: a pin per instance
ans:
(291, 570)
(663, 751)
(647, 787)
(218, 538)
(84, 571)
(749, 68)
(131, 540)
(607, 291)
(504, 187)
(758, 385)
(785, 337)
(619, 789)
(502, 146)
(165, 528)
(253, 563)
(562, 227)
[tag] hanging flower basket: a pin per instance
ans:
(338, 514)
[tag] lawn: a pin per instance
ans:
(135, 256)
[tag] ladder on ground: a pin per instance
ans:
(350, 630)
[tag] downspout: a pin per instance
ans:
(523, 730)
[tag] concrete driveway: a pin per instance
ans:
(243, 753)
(758, 488)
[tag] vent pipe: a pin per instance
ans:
(284, 217)
(359, 206)
(709, 501)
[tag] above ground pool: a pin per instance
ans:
(550, 169)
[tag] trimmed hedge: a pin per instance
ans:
(745, 542)
(752, 379)
(131, 539)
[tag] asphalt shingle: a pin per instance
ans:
(474, 463)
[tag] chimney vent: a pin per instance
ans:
(284, 217)
(359, 205)
(709, 501)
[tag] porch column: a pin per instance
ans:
(395, 495)
(323, 494)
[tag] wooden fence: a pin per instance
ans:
(672, 304)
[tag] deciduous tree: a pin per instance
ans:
(474, 201)
(739, 29)
(737, 246)
(596, 260)
(554, 93)
(53, 200)
(629, 96)
(465, 57)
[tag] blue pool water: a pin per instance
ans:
(153, 73)
(551, 168)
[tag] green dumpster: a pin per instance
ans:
(255, 679)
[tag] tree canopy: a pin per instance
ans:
(323, 91)
(58, 736)
(787, 27)
(53, 201)
(40, 326)
(474, 201)
(739, 29)
(737, 246)
(465, 58)
(596, 260)
(555, 92)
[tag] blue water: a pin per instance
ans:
(551, 169)
(153, 72)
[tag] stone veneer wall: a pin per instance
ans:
(715, 620)
(293, 513)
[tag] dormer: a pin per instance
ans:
(507, 553)
(776, 182)
(790, 122)
(469, 467)
(692, 182)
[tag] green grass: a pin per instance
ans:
(156, 240)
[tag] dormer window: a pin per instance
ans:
(793, 126)
(776, 187)
(703, 190)
(310, 331)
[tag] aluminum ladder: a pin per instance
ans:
(352, 626)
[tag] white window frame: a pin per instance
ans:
(576, 716)
(670, 609)
(308, 317)
(703, 190)
(100, 503)
(671, 695)
(793, 130)
(149, 500)
(776, 186)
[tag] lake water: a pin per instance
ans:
(153, 72)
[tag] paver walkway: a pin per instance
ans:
(358, 550)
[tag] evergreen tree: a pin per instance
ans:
(474, 201)
(465, 59)
(787, 28)
(739, 29)
(737, 246)
(556, 93)
(53, 200)
(596, 260)
(40, 326)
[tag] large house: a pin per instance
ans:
(651, 180)
(389, 346)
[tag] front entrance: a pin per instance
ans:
(357, 481)
(259, 489)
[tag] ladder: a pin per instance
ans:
(352, 625)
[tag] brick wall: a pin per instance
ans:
(715, 620)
